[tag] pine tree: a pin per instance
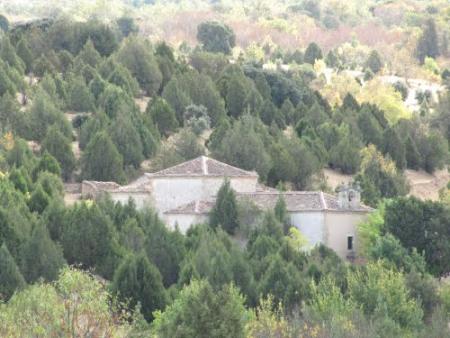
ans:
(41, 257)
(225, 211)
(10, 277)
(101, 161)
(138, 280)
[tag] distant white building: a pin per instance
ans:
(184, 195)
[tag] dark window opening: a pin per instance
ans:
(349, 242)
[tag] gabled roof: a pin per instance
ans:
(203, 166)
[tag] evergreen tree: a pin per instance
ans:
(313, 53)
(43, 114)
(136, 55)
(101, 161)
(236, 96)
(138, 280)
(60, 147)
(122, 78)
(6, 85)
(201, 311)
(243, 146)
(374, 62)
(88, 239)
(79, 96)
(127, 141)
(427, 45)
(89, 55)
(176, 97)
(413, 160)
(10, 277)
(39, 199)
(263, 86)
(159, 111)
(24, 52)
(332, 60)
(97, 86)
(41, 257)
(216, 37)
(47, 163)
(281, 214)
(224, 212)
(393, 146)
(8, 54)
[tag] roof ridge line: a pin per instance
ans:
(204, 165)
(323, 201)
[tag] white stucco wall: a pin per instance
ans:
(172, 192)
(311, 224)
(184, 221)
(339, 225)
(141, 199)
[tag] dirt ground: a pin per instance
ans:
(423, 185)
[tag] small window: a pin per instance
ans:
(349, 243)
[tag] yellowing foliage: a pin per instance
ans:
(339, 86)
(386, 98)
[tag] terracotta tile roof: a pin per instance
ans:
(203, 166)
(102, 186)
(331, 203)
(142, 184)
(296, 201)
(194, 207)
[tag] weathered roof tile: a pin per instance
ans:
(203, 166)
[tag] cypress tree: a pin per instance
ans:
(225, 212)
(10, 277)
